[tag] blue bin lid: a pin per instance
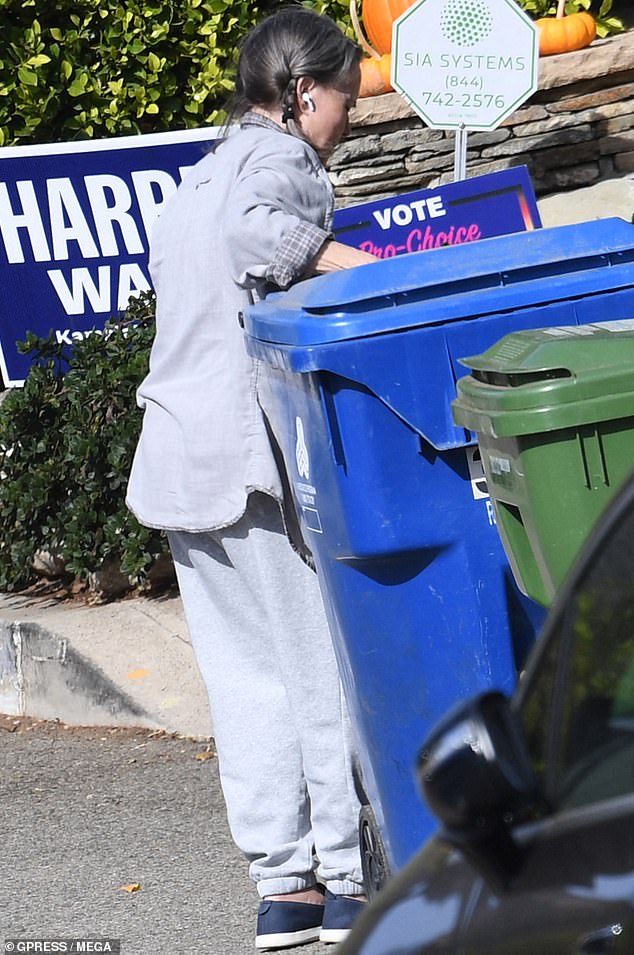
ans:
(447, 284)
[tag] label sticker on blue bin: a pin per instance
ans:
(476, 474)
(301, 451)
(306, 494)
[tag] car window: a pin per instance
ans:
(596, 753)
(579, 713)
(537, 706)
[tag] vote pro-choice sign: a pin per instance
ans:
(464, 211)
(75, 221)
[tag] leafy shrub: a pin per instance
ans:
(602, 11)
(66, 444)
(78, 69)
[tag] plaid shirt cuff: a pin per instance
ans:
(300, 247)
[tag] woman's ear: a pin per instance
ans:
(303, 92)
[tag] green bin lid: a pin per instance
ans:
(546, 379)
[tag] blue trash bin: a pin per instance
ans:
(359, 372)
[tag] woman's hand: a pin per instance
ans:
(336, 255)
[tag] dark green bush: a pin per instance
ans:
(606, 12)
(66, 444)
(78, 69)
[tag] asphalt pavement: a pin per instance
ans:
(115, 833)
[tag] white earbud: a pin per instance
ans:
(308, 99)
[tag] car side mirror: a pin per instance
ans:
(477, 777)
(474, 767)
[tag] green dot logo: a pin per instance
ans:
(466, 22)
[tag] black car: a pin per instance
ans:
(535, 795)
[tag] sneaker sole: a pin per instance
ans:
(333, 935)
(286, 939)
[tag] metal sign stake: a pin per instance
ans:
(460, 154)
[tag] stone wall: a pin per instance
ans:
(576, 130)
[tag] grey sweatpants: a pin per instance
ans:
(259, 631)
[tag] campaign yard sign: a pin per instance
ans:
(75, 221)
(478, 208)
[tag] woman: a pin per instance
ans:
(252, 216)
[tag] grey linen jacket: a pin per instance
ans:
(252, 214)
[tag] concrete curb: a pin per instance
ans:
(41, 675)
(125, 663)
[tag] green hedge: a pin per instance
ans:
(66, 444)
(607, 13)
(78, 69)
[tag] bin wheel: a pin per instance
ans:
(376, 868)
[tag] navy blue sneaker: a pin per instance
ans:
(340, 911)
(282, 924)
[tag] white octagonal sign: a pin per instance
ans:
(465, 63)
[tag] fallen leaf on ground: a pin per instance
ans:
(132, 887)
(139, 674)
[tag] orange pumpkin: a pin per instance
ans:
(378, 17)
(376, 75)
(562, 34)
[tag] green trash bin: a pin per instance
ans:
(553, 411)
